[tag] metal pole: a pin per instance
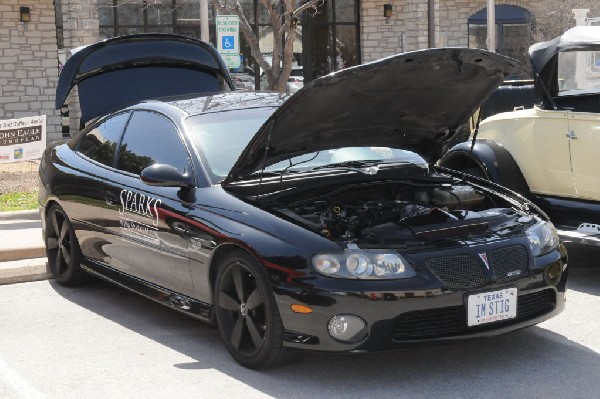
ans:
(204, 21)
(491, 25)
(431, 23)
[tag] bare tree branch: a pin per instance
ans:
(283, 16)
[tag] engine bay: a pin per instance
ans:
(403, 212)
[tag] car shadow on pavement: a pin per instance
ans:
(533, 362)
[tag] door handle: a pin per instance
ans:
(111, 199)
(571, 134)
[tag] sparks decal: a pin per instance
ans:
(138, 216)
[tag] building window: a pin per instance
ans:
(125, 17)
(332, 39)
(332, 42)
(513, 34)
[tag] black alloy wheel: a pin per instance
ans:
(62, 248)
(246, 313)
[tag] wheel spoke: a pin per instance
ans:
(51, 242)
(54, 221)
(236, 334)
(58, 263)
(66, 255)
(257, 339)
(227, 302)
(64, 231)
(255, 299)
(238, 281)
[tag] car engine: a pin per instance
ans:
(377, 215)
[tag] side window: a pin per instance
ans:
(100, 143)
(151, 138)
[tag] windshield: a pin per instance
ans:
(220, 137)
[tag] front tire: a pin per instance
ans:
(62, 248)
(246, 313)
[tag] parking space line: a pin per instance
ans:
(17, 383)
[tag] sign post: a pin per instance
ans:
(228, 39)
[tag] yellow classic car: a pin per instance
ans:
(549, 153)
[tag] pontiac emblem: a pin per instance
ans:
(484, 258)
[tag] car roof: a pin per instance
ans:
(223, 101)
(584, 38)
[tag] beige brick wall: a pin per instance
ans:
(29, 63)
(407, 29)
(80, 27)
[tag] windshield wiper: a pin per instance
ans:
(369, 167)
(350, 164)
(270, 173)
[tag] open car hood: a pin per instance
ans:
(122, 71)
(414, 101)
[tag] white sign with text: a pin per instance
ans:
(228, 39)
(22, 139)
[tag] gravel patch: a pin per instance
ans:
(19, 177)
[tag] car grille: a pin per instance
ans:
(452, 321)
(464, 271)
(511, 260)
(460, 271)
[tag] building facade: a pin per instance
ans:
(28, 61)
(342, 34)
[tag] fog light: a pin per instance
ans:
(552, 273)
(347, 328)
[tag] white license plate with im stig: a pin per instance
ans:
(487, 307)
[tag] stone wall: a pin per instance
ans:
(407, 29)
(29, 63)
(80, 28)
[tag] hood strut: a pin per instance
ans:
(264, 161)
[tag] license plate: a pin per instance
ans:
(488, 307)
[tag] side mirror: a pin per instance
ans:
(162, 175)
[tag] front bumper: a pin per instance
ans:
(397, 319)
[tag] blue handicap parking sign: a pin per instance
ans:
(228, 42)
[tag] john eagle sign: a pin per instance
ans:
(22, 139)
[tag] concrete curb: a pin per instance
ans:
(22, 271)
(13, 254)
(20, 215)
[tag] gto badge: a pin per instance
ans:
(513, 273)
(484, 258)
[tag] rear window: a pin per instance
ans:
(579, 72)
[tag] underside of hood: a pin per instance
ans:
(414, 101)
(122, 71)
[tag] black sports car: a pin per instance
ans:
(310, 221)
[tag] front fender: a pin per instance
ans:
(492, 158)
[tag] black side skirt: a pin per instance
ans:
(162, 295)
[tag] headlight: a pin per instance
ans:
(543, 238)
(358, 264)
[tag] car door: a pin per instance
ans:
(145, 239)
(83, 193)
(584, 142)
(548, 166)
